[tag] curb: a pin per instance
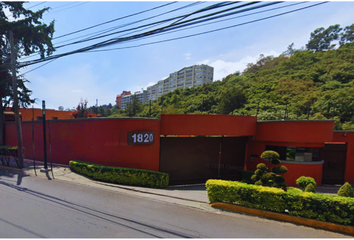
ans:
(11, 168)
(147, 192)
(286, 218)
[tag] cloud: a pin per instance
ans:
(188, 56)
(66, 88)
(222, 67)
(138, 88)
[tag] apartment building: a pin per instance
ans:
(119, 98)
(141, 95)
(193, 76)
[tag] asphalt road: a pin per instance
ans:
(38, 207)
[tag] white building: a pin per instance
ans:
(141, 95)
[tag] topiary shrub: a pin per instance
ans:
(262, 175)
(346, 190)
(304, 181)
(127, 176)
(310, 188)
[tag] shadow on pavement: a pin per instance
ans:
(98, 214)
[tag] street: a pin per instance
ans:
(44, 207)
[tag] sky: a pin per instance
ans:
(103, 75)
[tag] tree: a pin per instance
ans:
(270, 177)
(134, 106)
(231, 97)
(322, 39)
(61, 108)
(348, 35)
(81, 110)
(30, 35)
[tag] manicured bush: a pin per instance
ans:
(322, 207)
(346, 190)
(127, 176)
(304, 181)
(7, 153)
(263, 175)
(310, 188)
(246, 176)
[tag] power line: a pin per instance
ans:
(36, 5)
(113, 20)
(211, 31)
(162, 21)
(115, 41)
(105, 31)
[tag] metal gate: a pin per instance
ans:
(334, 156)
(197, 159)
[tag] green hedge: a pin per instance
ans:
(246, 176)
(322, 207)
(127, 176)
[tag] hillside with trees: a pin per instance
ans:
(315, 82)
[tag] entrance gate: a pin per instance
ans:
(334, 156)
(197, 159)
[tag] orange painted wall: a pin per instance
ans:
(295, 131)
(190, 124)
(27, 114)
(348, 137)
(294, 170)
(101, 141)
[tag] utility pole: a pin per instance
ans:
(15, 104)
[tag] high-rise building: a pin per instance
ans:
(193, 76)
(141, 95)
(119, 98)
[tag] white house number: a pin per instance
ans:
(140, 138)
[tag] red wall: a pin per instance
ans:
(27, 114)
(101, 141)
(294, 170)
(190, 124)
(295, 131)
(290, 133)
(348, 137)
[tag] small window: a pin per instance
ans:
(39, 118)
(54, 118)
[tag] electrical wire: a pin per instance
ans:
(211, 31)
(114, 41)
(36, 5)
(94, 34)
(162, 21)
(113, 20)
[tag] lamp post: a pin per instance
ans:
(45, 169)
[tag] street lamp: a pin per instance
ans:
(45, 169)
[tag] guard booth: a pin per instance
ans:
(215, 150)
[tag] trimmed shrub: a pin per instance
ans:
(322, 207)
(127, 176)
(346, 190)
(310, 188)
(263, 176)
(246, 176)
(304, 181)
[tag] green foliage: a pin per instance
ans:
(127, 176)
(269, 155)
(280, 169)
(246, 176)
(262, 175)
(262, 167)
(304, 181)
(322, 207)
(310, 188)
(346, 190)
(317, 83)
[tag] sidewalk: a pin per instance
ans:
(195, 193)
